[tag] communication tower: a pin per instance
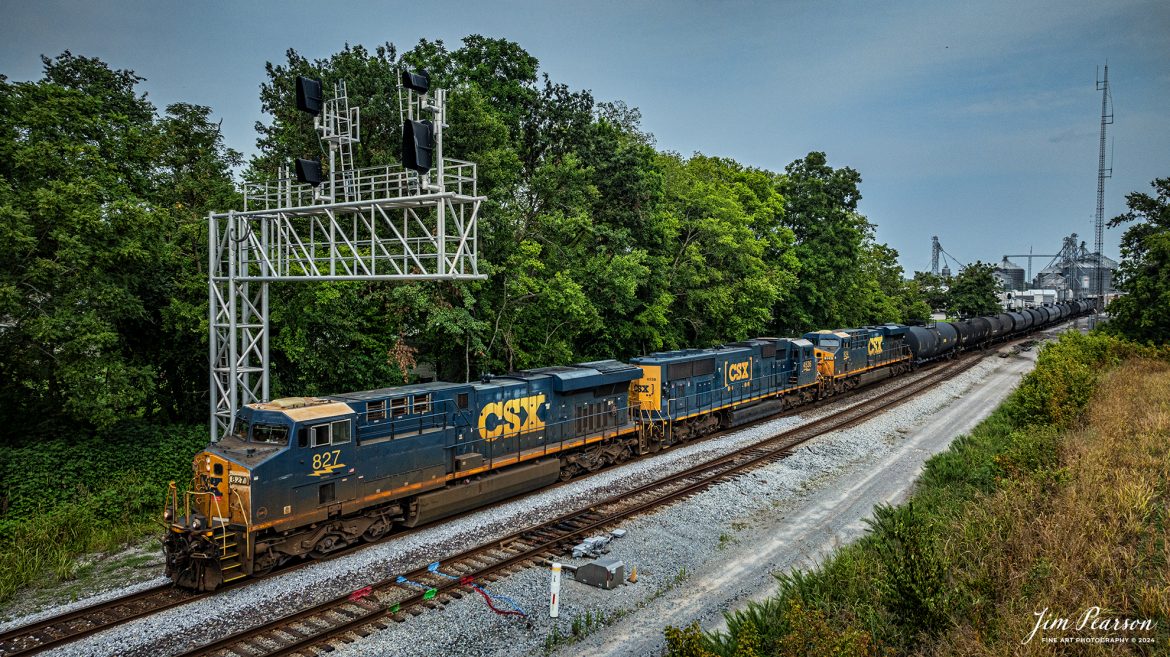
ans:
(1102, 174)
(417, 221)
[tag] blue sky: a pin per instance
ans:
(975, 121)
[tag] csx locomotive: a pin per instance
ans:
(309, 476)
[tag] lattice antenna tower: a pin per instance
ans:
(408, 222)
(1102, 174)
(935, 249)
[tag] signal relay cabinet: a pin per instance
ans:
(603, 573)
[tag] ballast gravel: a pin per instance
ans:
(667, 547)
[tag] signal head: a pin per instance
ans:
(418, 82)
(309, 95)
(309, 171)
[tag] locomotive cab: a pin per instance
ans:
(209, 526)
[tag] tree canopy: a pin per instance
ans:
(596, 244)
(1143, 312)
(974, 291)
(101, 291)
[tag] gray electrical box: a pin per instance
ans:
(603, 573)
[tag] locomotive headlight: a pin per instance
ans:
(196, 523)
(168, 514)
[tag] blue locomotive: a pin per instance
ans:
(304, 477)
(309, 476)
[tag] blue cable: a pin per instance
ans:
(434, 568)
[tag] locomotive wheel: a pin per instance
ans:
(376, 530)
(328, 544)
(264, 565)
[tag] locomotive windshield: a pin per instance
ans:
(240, 430)
(272, 434)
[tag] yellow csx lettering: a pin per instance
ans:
(641, 388)
(875, 346)
(739, 371)
(507, 417)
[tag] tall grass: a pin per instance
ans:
(44, 548)
(1058, 499)
(67, 496)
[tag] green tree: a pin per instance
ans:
(888, 296)
(728, 258)
(933, 289)
(1143, 312)
(98, 199)
(820, 205)
(974, 291)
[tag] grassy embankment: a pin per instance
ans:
(1060, 500)
(65, 497)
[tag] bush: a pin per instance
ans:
(939, 561)
(1066, 373)
(116, 470)
(913, 585)
(66, 496)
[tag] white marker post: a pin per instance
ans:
(554, 604)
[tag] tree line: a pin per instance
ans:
(596, 244)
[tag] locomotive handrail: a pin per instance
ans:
(247, 522)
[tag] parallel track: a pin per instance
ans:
(80, 623)
(73, 625)
(344, 619)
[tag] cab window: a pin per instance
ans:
(320, 435)
(272, 434)
(241, 429)
(340, 432)
(333, 433)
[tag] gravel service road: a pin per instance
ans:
(694, 559)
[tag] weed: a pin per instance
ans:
(1057, 500)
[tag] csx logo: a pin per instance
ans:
(739, 371)
(875, 346)
(641, 388)
(511, 416)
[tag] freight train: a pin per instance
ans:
(306, 477)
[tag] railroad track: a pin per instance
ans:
(77, 624)
(71, 626)
(356, 615)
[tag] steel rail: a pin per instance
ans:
(332, 620)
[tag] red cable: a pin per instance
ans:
(487, 598)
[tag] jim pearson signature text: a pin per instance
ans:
(1090, 619)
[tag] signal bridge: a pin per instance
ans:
(388, 223)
